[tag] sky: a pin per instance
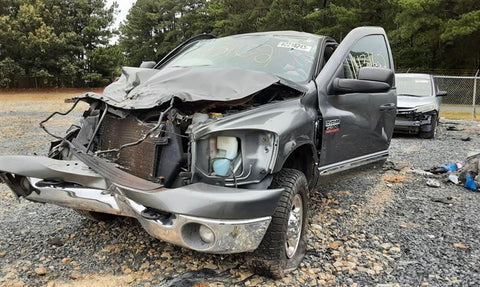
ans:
(123, 6)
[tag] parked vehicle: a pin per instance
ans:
(216, 147)
(419, 102)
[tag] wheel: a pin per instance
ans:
(284, 244)
(428, 131)
(96, 216)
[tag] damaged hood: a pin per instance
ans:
(412, 102)
(142, 88)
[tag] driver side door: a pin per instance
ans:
(357, 121)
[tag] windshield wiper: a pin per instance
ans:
(411, 95)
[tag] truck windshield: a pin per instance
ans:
(412, 86)
(288, 57)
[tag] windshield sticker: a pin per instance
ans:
(332, 126)
(295, 46)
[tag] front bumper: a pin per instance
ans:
(236, 218)
(411, 123)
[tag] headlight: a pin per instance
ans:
(425, 108)
(234, 158)
(223, 150)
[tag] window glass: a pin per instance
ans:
(289, 57)
(370, 51)
(413, 86)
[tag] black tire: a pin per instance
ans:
(428, 131)
(96, 216)
(271, 257)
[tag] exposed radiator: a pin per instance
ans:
(137, 160)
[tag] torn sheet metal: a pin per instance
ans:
(140, 88)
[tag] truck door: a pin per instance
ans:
(357, 123)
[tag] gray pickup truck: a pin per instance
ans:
(216, 146)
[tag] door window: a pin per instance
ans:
(370, 51)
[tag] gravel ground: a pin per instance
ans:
(382, 227)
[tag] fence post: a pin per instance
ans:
(474, 96)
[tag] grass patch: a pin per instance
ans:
(459, 115)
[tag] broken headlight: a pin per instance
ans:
(235, 157)
(223, 154)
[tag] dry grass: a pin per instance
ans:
(28, 100)
(458, 112)
(459, 115)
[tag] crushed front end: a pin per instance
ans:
(410, 120)
(196, 187)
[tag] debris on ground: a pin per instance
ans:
(453, 128)
(448, 200)
(420, 172)
(453, 178)
(433, 183)
(468, 171)
(460, 245)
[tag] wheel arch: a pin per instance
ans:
(303, 158)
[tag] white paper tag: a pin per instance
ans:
(295, 46)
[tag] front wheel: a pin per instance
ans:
(428, 131)
(284, 244)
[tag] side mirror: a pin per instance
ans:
(370, 80)
(442, 93)
(147, 64)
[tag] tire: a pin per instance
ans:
(96, 216)
(276, 255)
(428, 131)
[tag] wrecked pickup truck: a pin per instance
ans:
(216, 146)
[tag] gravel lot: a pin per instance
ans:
(381, 227)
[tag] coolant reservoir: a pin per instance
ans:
(227, 150)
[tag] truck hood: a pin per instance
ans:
(412, 102)
(142, 88)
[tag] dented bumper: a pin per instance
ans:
(198, 216)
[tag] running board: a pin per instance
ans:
(352, 163)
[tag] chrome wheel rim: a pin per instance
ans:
(294, 226)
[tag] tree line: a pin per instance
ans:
(69, 42)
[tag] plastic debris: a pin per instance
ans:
(420, 172)
(453, 178)
(433, 183)
(469, 182)
(450, 167)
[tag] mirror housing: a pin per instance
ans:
(370, 80)
(147, 64)
(442, 94)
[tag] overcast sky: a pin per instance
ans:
(123, 6)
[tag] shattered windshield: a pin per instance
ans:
(413, 86)
(288, 57)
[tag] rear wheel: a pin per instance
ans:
(283, 247)
(428, 131)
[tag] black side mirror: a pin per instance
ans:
(370, 80)
(442, 93)
(147, 64)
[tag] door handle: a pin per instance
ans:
(388, 107)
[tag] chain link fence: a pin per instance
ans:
(463, 91)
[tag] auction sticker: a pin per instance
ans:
(295, 46)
